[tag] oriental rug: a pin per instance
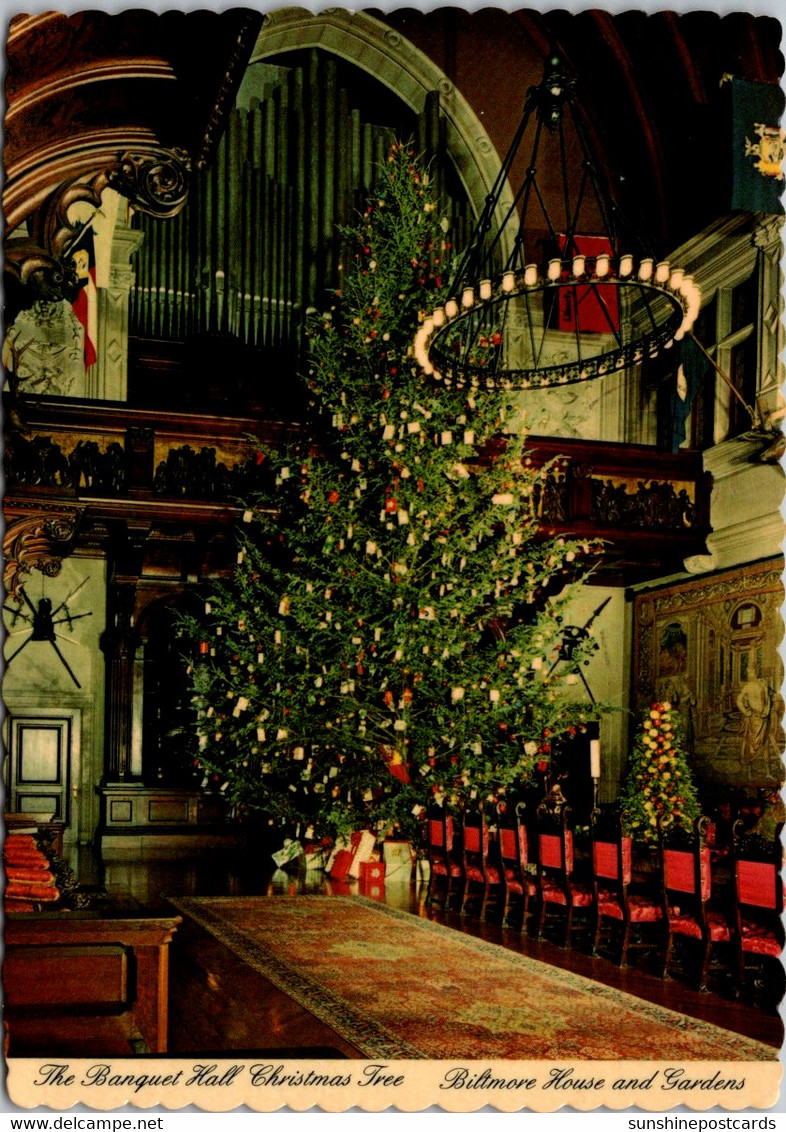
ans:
(397, 986)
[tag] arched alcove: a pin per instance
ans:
(163, 693)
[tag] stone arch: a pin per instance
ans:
(394, 61)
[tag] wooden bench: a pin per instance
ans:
(83, 983)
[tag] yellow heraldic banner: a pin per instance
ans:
(410, 1086)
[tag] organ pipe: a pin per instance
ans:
(258, 244)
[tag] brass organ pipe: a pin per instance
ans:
(328, 178)
(299, 189)
(313, 150)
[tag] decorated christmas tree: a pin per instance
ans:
(389, 631)
(658, 780)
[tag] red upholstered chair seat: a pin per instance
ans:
(442, 868)
(687, 925)
(719, 928)
(553, 894)
(12, 906)
(643, 911)
(474, 872)
(758, 940)
(640, 909)
(493, 874)
(609, 905)
(515, 885)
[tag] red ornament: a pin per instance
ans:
(333, 496)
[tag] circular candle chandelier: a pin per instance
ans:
(549, 295)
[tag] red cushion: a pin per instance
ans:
(492, 875)
(605, 861)
(27, 872)
(472, 838)
(581, 896)
(516, 886)
(719, 928)
(757, 883)
(513, 844)
(30, 890)
(474, 872)
(436, 833)
(759, 940)
(643, 911)
(609, 905)
(552, 894)
(25, 856)
(680, 871)
(20, 841)
(684, 925)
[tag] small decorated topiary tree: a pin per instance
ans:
(658, 780)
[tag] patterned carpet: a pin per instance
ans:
(396, 986)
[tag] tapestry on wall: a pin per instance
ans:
(710, 648)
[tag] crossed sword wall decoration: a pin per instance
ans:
(42, 621)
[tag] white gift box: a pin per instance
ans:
(397, 856)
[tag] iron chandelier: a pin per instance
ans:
(556, 295)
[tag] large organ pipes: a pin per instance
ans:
(259, 241)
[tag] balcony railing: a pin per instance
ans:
(650, 508)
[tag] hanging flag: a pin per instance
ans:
(588, 308)
(692, 372)
(757, 146)
(83, 256)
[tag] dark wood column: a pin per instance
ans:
(119, 644)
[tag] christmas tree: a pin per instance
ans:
(658, 781)
(390, 628)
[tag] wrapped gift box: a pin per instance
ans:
(315, 856)
(290, 853)
(372, 872)
(398, 859)
(342, 863)
(363, 844)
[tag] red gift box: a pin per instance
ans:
(342, 863)
(372, 872)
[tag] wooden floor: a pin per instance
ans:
(228, 1013)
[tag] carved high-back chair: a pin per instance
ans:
(446, 871)
(687, 887)
(520, 884)
(619, 911)
(758, 908)
(482, 874)
(561, 897)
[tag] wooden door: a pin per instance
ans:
(40, 764)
